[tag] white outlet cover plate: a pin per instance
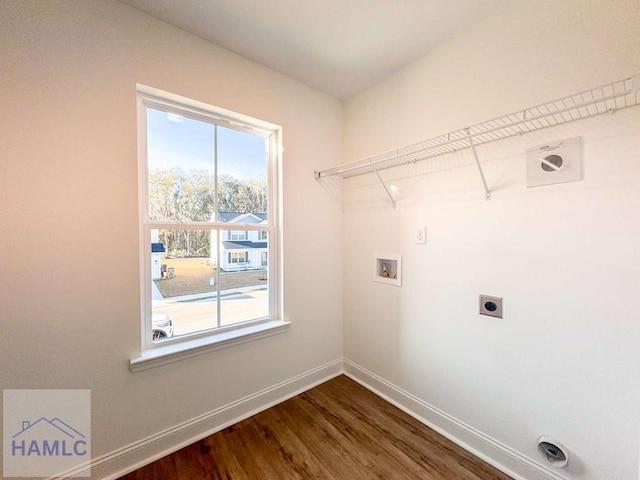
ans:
(497, 307)
(421, 235)
(556, 162)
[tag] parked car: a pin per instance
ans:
(161, 327)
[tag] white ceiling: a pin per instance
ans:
(337, 46)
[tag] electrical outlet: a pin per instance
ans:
(491, 306)
(421, 235)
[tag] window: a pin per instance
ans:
(236, 235)
(207, 177)
(238, 257)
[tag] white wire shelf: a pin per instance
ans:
(604, 99)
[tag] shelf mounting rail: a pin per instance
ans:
(604, 99)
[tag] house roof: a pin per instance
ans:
(243, 245)
(237, 217)
(157, 248)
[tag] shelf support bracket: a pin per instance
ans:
(487, 192)
(393, 202)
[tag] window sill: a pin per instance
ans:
(166, 354)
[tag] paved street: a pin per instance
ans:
(197, 315)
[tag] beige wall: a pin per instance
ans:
(564, 360)
(68, 212)
(527, 54)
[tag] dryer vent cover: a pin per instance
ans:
(556, 453)
(557, 162)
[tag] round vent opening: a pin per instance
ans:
(553, 160)
(556, 454)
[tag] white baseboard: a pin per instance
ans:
(490, 450)
(127, 459)
(136, 455)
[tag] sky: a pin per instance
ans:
(189, 144)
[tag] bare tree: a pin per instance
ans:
(177, 195)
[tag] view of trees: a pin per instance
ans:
(183, 196)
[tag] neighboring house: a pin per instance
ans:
(242, 249)
(157, 252)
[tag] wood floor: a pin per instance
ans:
(335, 431)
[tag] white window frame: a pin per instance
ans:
(185, 346)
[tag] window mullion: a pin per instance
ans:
(216, 212)
(196, 225)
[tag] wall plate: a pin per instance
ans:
(491, 306)
(556, 162)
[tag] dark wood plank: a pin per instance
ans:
(335, 431)
(293, 451)
(359, 449)
(327, 446)
(437, 455)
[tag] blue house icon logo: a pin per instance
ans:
(48, 438)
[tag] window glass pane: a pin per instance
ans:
(184, 284)
(242, 176)
(238, 235)
(180, 153)
(244, 288)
